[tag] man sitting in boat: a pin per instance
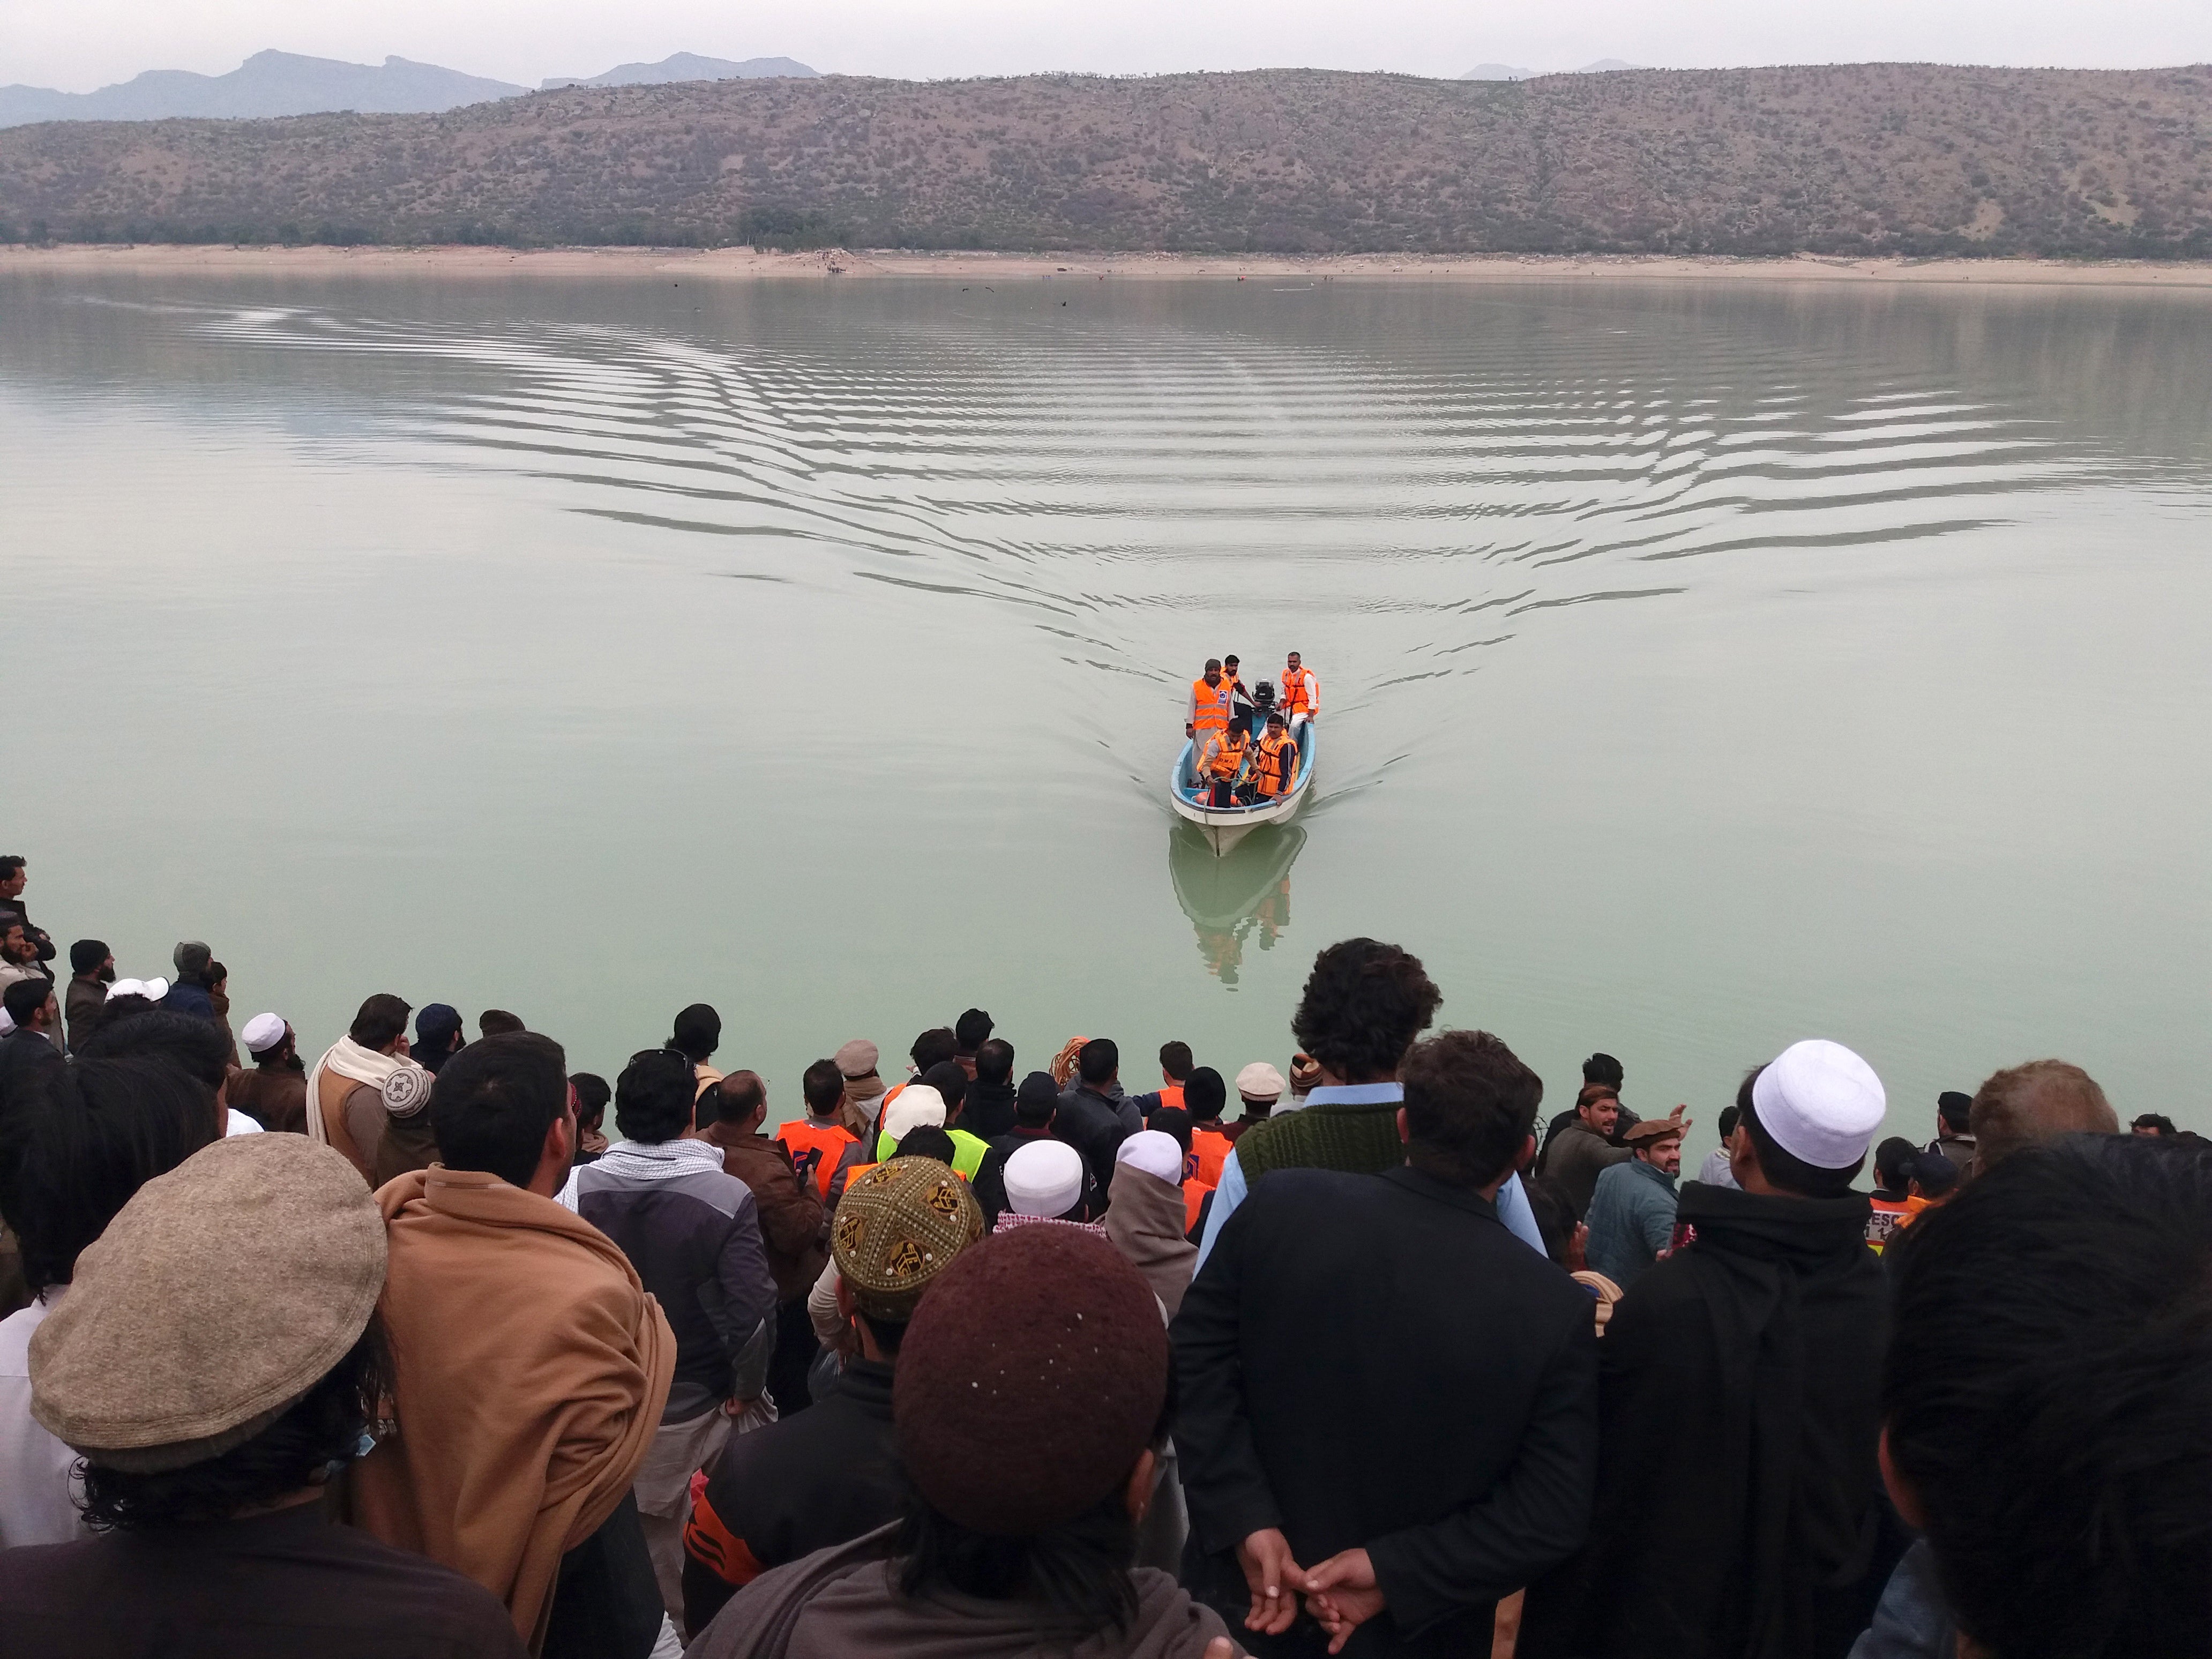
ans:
(1301, 692)
(1208, 709)
(1221, 761)
(1274, 762)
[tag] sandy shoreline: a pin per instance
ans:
(743, 264)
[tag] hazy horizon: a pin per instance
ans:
(100, 42)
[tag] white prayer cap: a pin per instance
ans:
(263, 1032)
(152, 989)
(1821, 1102)
(7, 1021)
(917, 1104)
(1260, 1081)
(239, 1124)
(1155, 1153)
(1044, 1178)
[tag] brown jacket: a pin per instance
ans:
(275, 1097)
(1581, 1155)
(530, 1368)
(790, 1212)
(353, 1118)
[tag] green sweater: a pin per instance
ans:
(1358, 1140)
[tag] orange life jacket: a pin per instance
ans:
(1209, 1150)
(1210, 706)
(800, 1138)
(1275, 765)
(1223, 754)
(853, 1175)
(1300, 691)
(1171, 1095)
(1193, 1200)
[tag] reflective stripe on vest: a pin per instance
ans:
(799, 1139)
(1210, 706)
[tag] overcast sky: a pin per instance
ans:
(77, 44)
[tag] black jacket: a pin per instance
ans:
(1091, 1123)
(987, 1110)
(1739, 1510)
(822, 1476)
(1374, 1361)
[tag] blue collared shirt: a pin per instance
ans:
(1512, 1203)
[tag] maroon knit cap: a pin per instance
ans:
(1031, 1378)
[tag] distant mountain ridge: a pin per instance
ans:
(276, 83)
(266, 84)
(686, 66)
(1913, 159)
(1514, 72)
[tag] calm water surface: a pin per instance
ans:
(1703, 667)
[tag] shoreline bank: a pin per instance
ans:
(743, 265)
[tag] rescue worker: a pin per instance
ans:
(1240, 700)
(1221, 760)
(818, 1145)
(1208, 710)
(1274, 762)
(1300, 691)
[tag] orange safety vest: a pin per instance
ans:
(1888, 1216)
(1223, 754)
(1300, 691)
(799, 1139)
(1172, 1096)
(1210, 706)
(1193, 1200)
(1209, 1150)
(1273, 770)
(856, 1172)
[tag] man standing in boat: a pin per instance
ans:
(1301, 692)
(1208, 709)
(1240, 699)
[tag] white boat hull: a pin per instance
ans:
(1224, 826)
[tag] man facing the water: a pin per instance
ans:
(1208, 708)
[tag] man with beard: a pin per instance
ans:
(13, 874)
(274, 1094)
(92, 970)
(19, 951)
(438, 1036)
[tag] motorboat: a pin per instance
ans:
(1224, 826)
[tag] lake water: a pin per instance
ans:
(1703, 666)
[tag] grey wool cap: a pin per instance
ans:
(223, 1292)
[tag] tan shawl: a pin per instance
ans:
(530, 1369)
(1144, 1219)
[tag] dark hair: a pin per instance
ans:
(24, 997)
(1204, 1094)
(1729, 1118)
(736, 1098)
(1554, 1215)
(2158, 1121)
(1936, 1174)
(1591, 1093)
(933, 1048)
(653, 1095)
(322, 1428)
(1175, 1061)
(1099, 1059)
(950, 1079)
(10, 864)
(80, 1139)
(1469, 1105)
(1036, 1107)
(593, 1094)
(995, 1060)
(1787, 1170)
(381, 1019)
(2044, 1397)
(971, 1029)
(1174, 1121)
(494, 1101)
(1078, 1574)
(497, 1021)
(215, 974)
(193, 1043)
(1364, 1005)
(887, 1332)
(1212, 663)
(822, 1086)
(1956, 1110)
(927, 1140)
(1893, 1162)
(87, 954)
(698, 1032)
(1602, 1068)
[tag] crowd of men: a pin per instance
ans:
(403, 1352)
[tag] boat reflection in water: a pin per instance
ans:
(1236, 897)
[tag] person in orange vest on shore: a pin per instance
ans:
(1274, 762)
(1891, 1204)
(1205, 1094)
(1208, 709)
(1300, 691)
(1221, 760)
(819, 1146)
(1175, 1068)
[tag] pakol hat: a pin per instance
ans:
(917, 1104)
(1030, 1380)
(857, 1058)
(1651, 1130)
(263, 1032)
(1044, 1178)
(1821, 1103)
(221, 1292)
(1260, 1082)
(898, 1226)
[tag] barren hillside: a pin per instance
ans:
(1894, 158)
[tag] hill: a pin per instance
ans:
(267, 83)
(1910, 159)
(685, 66)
